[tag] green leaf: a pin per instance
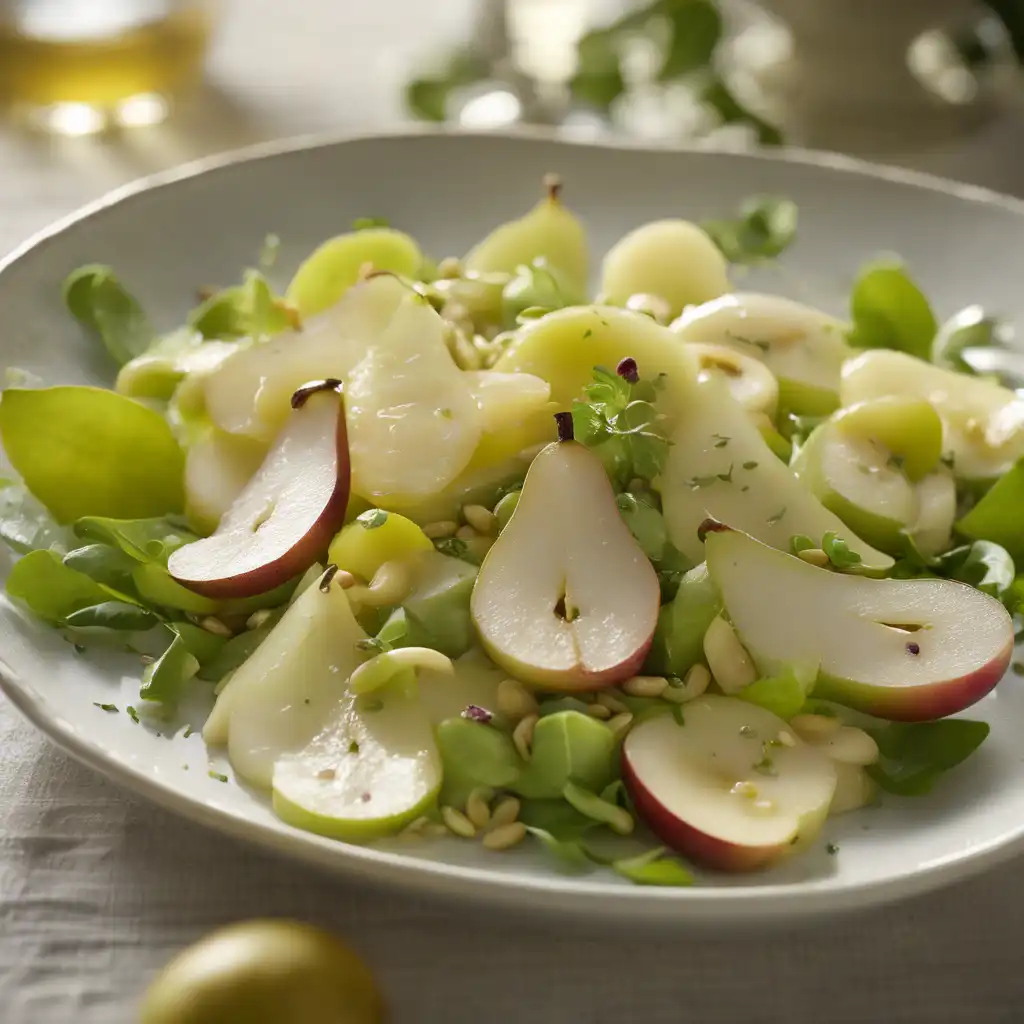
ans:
(535, 290)
(567, 747)
(598, 80)
(839, 553)
(566, 853)
(654, 868)
(969, 328)
(557, 818)
(592, 806)
(152, 539)
(249, 310)
(85, 451)
(717, 95)
(781, 695)
(915, 754)
(696, 29)
(764, 228)
(997, 517)
(983, 564)
(236, 650)
(164, 681)
(478, 753)
(372, 518)
(51, 590)
(98, 301)
(888, 310)
(112, 615)
(102, 563)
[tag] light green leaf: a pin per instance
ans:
(236, 650)
(153, 539)
(654, 868)
(98, 301)
(982, 564)
(566, 853)
(998, 516)
(112, 615)
(889, 311)
(248, 310)
(164, 680)
(763, 230)
(478, 753)
(51, 590)
(102, 563)
(617, 818)
(915, 754)
(85, 451)
(567, 747)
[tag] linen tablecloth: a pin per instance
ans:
(98, 889)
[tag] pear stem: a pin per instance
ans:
(553, 187)
(564, 421)
(627, 370)
(300, 397)
(711, 526)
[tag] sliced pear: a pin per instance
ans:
(803, 347)
(251, 391)
(549, 231)
(750, 382)
(983, 423)
(217, 468)
(371, 770)
(722, 790)
(672, 259)
(285, 517)
(932, 530)
(564, 347)
(476, 681)
(566, 598)
(720, 466)
(908, 427)
(374, 538)
(505, 399)
(908, 650)
(283, 695)
(413, 423)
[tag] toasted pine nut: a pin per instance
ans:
(215, 626)
(851, 745)
(390, 583)
(478, 806)
(522, 735)
(505, 836)
(258, 618)
(645, 686)
(815, 728)
(620, 724)
(326, 774)
(814, 556)
(608, 700)
(598, 711)
(441, 529)
(695, 682)
(458, 823)
(479, 546)
(466, 533)
(787, 739)
(514, 700)
(727, 658)
(505, 811)
(481, 519)
(344, 579)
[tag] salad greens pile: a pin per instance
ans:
(112, 483)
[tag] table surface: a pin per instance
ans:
(97, 889)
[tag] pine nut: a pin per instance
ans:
(505, 811)
(390, 583)
(466, 533)
(481, 519)
(458, 823)
(478, 806)
(514, 700)
(344, 579)
(505, 837)
(620, 724)
(215, 626)
(598, 711)
(787, 739)
(258, 618)
(850, 745)
(611, 702)
(645, 686)
(854, 788)
(522, 735)
(815, 728)
(814, 556)
(479, 546)
(695, 682)
(441, 529)
(727, 658)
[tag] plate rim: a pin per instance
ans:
(441, 879)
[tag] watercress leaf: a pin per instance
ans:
(598, 80)
(915, 754)
(153, 539)
(478, 753)
(557, 818)
(112, 615)
(654, 868)
(763, 229)
(695, 31)
(716, 95)
(888, 310)
(164, 681)
(967, 329)
(236, 650)
(567, 747)
(566, 853)
(839, 553)
(98, 301)
(997, 517)
(52, 590)
(85, 451)
(590, 804)
(248, 310)
(102, 563)
(782, 695)
(982, 564)
(536, 286)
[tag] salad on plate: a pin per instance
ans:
(656, 579)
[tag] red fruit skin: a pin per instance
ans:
(297, 559)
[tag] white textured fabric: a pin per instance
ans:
(97, 889)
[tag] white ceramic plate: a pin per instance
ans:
(205, 223)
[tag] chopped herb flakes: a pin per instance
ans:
(132, 714)
(750, 465)
(772, 520)
(721, 440)
(105, 707)
(372, 518)
(220, 777)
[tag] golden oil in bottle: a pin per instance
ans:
(77, 66)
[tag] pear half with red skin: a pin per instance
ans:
(566, 599)
(722, 788)
(287, 514)
(905, 650)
